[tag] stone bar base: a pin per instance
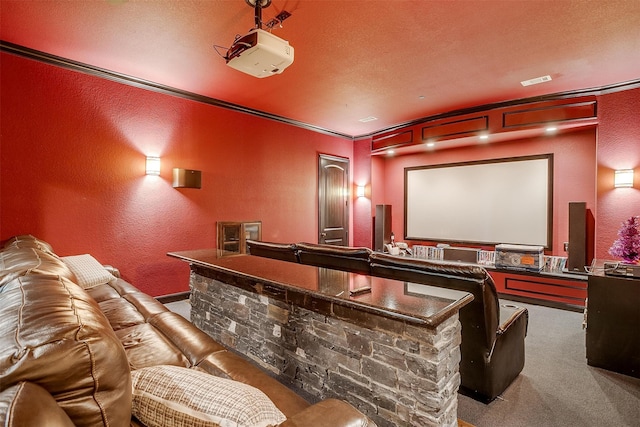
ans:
(396, 372)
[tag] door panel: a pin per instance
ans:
(333, 206)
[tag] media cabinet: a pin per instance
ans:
(558, 290)
(613, 338)
(553, 288)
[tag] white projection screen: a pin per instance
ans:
(486, 202)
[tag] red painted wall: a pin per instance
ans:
(72, 165)
(363, 232)
(618, 148)
(574, 173)
(72, 154)
(377, 188)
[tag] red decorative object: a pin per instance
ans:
(627, 246)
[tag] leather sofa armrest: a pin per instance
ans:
(28, 404)
(508, 315)
(113, 270)
(329, 413)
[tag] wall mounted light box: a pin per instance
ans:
(623, 178)
(360, 191)
(187, 178)
(153, 166)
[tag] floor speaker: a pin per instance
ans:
(382, 227)
(577, 253)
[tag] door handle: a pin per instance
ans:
(323, 234)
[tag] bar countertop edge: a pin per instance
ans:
(208, 259)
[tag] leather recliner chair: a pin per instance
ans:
(281, 251)
(337, 257)
(492, 349)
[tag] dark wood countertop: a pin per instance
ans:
(306, 285)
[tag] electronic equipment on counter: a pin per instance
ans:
(399, 248)
(621, 269)
(519, 257)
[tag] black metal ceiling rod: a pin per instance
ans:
(258, 5)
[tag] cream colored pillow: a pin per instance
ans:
(89, 272)
(167, 395)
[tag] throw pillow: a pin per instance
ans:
(88, 270)
(176, 396)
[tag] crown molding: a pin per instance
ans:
(168, 90)
(70, 64)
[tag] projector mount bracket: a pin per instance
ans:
(258, 5)
(238, 47)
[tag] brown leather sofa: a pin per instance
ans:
(67, 353)
(492, 349)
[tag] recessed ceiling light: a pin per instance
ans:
(431, 144)
(368, 119)
(390, 152)
(551, 129)
(536, 81)
(484, 137)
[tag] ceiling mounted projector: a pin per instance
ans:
(259, 53)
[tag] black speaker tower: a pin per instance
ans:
(382, 227)
(577, 256)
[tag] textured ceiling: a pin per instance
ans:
(395, 60)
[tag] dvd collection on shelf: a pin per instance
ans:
(551, 264)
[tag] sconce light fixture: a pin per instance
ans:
(153, 165)
(187, 178)
(360, 191)
(623, 178)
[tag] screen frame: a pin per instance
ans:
(486, 165)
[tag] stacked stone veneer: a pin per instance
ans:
(396, 372)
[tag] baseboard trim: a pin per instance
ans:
(180, 296)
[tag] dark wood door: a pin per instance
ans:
(333, 206)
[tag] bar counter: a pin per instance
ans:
(305, 284)
(391, 349)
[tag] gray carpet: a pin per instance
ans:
(556, 386)
(183, 308)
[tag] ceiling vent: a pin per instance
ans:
(260, 53)
(536, 81)
(368, 119)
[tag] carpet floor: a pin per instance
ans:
(556, 386)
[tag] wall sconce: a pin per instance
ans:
(623, 178)
(360, 191)
(187, 178)
(153, 165)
